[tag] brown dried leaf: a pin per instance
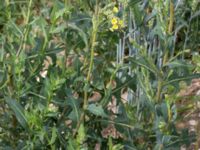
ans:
(112, 106)
(113, 84)
(191, 90)
(124, 97)
(111, 131)
(96, 96)
(97, 146)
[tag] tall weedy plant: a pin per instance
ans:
(96, 74)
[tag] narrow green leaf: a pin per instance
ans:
(18, 110)
(146, 63)
(3, 78)
(81, 33)
(58, 29)
(196, 14)
(179, 63)
(182, 78)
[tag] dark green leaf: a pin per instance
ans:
(18, 111)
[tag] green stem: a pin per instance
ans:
(95, 21)
(165, 59)
(170, 29)
(24, 38)
(85, 102)
(171, 18)
(8, 10)
(108, 91)
(159, 90)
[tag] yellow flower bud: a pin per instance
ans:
(121, 23)
(111, 29)
(115, 10)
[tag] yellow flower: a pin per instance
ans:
(115, 27)
(115, 10)
(114, 21)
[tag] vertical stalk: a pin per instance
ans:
(95, 22)
(93, 41)
(25, 33)
(165, 59)
(8, 11)
(171, 19)
(170, 28)
(186, 38)
(159, 90)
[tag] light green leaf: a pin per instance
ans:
(182, 78)
(53, 136)
(96, 110)
(179, 63)
(80, 32)
(58, 29)
(3, 78)
(81, 134)
(146, 63)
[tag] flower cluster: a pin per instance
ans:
(116, 22)
(52, 107)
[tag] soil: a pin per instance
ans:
(191, 115)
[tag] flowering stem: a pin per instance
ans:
(170, 28)
(95, 22)
(165, 59)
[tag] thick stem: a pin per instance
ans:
(95, 21)
(170, 29)
(85, 102)
(165, 59)
(159, 90)
(171, 18)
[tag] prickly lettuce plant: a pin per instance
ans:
(95, 74)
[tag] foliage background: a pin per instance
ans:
(68, 82)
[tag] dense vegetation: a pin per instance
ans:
(96, 74)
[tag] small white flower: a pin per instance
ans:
(38, 79)
(193, 122)
(43, 73)
(52, 107)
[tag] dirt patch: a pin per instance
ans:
(189, 109)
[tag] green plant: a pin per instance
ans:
(95, 74)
